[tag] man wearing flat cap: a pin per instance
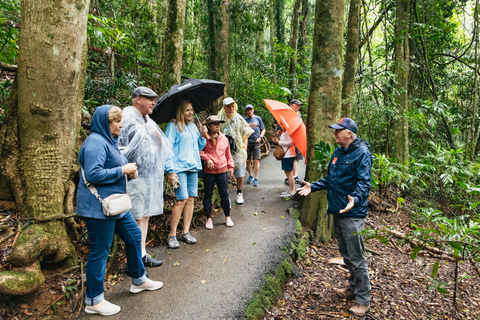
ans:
(143, 142)
(348, 184)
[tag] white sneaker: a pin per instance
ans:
(240, 198)
(103, 308)
(228, 222)
(287, 195)
(147, 285)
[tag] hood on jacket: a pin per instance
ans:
(100, 123)
(358, 142)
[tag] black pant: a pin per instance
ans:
(209, 181)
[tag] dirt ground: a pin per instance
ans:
(400, 286)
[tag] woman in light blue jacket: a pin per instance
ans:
(184, 166)
(103, 166)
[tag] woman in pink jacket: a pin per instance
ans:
(219, 164)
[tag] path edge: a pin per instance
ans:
(268, 293)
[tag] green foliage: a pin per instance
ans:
(323, 153)
(9, 34)
(386, 172)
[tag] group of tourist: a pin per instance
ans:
(129, 153)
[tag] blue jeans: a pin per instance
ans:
(100, 235)
(352, 250)
(209, 181)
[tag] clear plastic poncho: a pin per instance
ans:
(143, 142)
(238, 128)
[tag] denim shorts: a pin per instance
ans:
(188, 185)
(287, 164)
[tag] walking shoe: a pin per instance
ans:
(297, 180)
(240, 198)
(209, 224)
(103, 308)
(286, 182)
(250, 179)
(173, 242)
(286, 195)
(147, 285)
(148, 261)
(359, 309)
(228, 222)
(187, 237)
(255, 182)
(345, 293)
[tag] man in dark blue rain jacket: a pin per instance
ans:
(348, 183)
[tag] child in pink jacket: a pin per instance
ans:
(219, 164)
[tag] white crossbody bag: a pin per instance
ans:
(112, 205)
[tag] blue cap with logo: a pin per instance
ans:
(345, 123)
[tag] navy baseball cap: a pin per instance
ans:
(345, 123)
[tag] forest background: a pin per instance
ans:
(406, 71)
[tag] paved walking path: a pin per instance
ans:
(217, 277)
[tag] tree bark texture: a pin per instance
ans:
(172, 64)
(279, 10)
(272, 40)
(324, 104)
(51, 76)
(351, 55)
(292, 81)
(402, 61)
(302, 40)
(219, 67)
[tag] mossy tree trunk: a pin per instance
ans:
(351, 55)
(272, 40)
(219, 67)
(402, 62)
(303, 41)
(44, 135)
(324, 104)
(172, 64)
(292, 81)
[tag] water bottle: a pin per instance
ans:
(225, 131)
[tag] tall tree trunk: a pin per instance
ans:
(172, 64)
(351, 55)
(302, 40)
(272, 40)
(51, 75)
(279, 11)
(219, 67)
(292, 82)
(473, 148)
(324, 104)
(402, 62)
(260, 38)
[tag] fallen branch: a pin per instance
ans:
(52, 218)
(372, 251)
(8, 67)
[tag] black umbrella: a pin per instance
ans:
(200, 92)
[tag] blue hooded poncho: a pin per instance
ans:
(102, 163)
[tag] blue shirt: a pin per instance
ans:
(256, 124)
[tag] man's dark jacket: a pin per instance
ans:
(349, 173)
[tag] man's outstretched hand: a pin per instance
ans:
(306, 189)
(349, 206)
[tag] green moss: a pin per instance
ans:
(269, 292)
(79, 5)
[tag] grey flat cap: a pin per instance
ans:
(144, 92)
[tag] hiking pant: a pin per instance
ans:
(209, 181)
(100, 235)
(352, 250)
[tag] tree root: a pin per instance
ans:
(34, 245)
(21, 280)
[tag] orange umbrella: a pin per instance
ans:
(291, 122)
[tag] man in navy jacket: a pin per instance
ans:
(348, 183)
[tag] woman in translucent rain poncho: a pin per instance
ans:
(187, 142)
(143, 142)
(240, 130)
